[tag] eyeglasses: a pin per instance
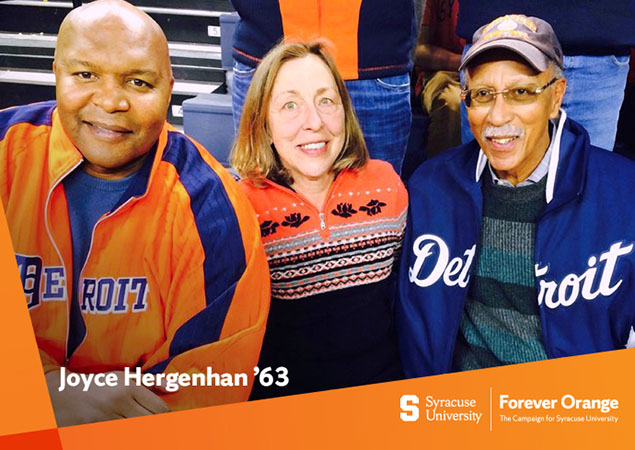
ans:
(518, 95)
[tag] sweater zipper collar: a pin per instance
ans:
(321, 212)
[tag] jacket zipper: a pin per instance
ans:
(67, 357)
(59, 254)
(457, 325)
(90, 248)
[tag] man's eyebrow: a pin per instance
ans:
(511, 82)
(80, 62)
(144, 72)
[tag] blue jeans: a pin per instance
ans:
(242, 75)
(594, 95)
(382, 106)
(595, 91)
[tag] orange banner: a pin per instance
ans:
(453, 410)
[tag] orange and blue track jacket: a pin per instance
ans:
(176, 279)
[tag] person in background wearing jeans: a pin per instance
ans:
(372, 43)
(595, 38)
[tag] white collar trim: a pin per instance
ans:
(553, 161)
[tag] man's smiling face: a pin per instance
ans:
(113, 87)
(514, 137)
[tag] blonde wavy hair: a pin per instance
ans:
(253, 155)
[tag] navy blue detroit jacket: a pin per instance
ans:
(584, 252)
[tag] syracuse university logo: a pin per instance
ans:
(433, 264)
(98, 295)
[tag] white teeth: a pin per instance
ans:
(313, 146)
(503, 141)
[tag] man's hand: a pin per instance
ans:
(73, 406)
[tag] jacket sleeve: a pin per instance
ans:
(18, 135)
(218, 298)
(5, 168)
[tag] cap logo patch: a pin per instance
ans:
(505, 34)
(519, 19)
(507, 25)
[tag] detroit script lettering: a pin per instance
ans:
(434, 259)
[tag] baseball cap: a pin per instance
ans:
(530, 37)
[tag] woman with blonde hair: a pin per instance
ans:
(331, 220)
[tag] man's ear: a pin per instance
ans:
(559, 88)
(171, 87)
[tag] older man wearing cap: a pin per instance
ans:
(520, 244)
(596, 37)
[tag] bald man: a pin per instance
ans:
(135, 248)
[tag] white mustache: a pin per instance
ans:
(506, 130)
